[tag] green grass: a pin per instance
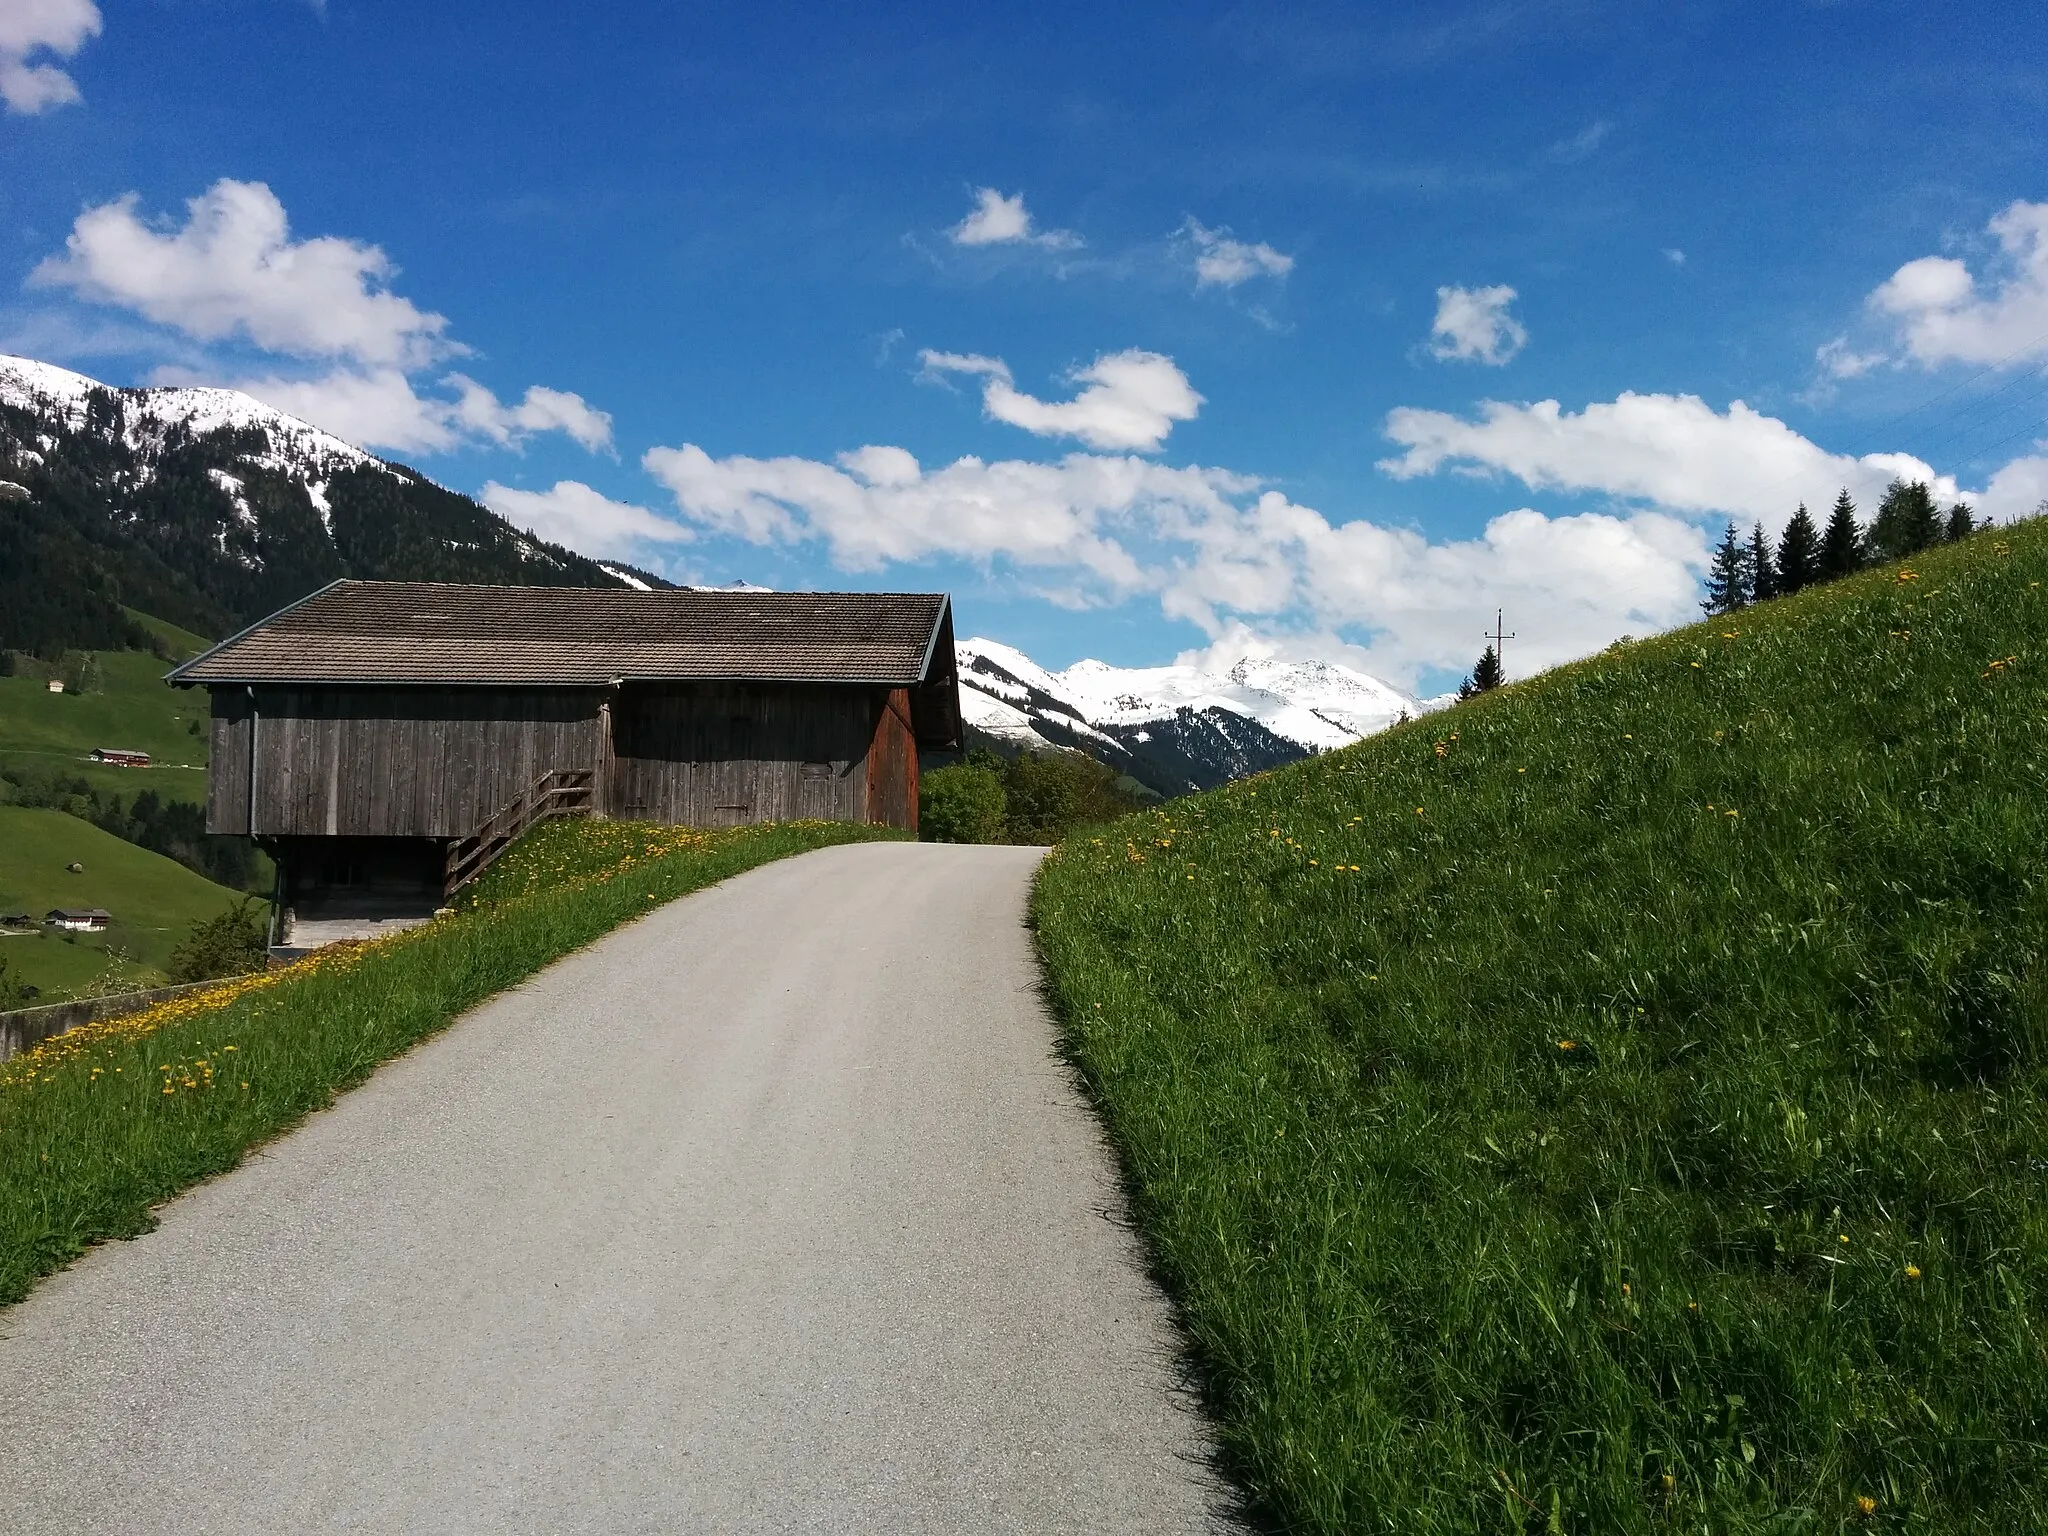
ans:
(181, 643)
(106, 1121)
(47, 732)
(1615, 1105)
(154, 901)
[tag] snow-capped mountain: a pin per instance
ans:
(209, 508)
(1175, 728)
(149, 416)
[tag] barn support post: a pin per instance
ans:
(601, 777)
(254, 727)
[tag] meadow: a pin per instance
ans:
(43, 732)
(1614, 1104)
(101, 1124)
(154, 902)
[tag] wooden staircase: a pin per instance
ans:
(556, 794)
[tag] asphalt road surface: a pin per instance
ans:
(772, 1212)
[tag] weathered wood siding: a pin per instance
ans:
(227, 774)
(892, 763)
(391, 762)
(720, 754)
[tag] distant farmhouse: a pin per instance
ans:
(385, 738)
(120, 757)
(79, 919)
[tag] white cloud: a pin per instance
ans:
(233, 270)
(2018, 490)
(233, 273)
(1000, 220)
(1674, 255)
(1128, 399)
(381, 408)
(543, 410)
(1581, 144)
(1224, 262)
(28, 27)
(1212, 547)
(1839, 360)
(1675, 451)
(374, 408)
(1473, 325)
(1945, 315)
(585, 520)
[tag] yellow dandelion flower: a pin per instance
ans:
(1912, 1271)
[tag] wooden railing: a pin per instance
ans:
(561, 792)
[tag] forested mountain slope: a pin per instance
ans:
(209, 509)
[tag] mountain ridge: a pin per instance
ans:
(1176, 728)
(210, 509)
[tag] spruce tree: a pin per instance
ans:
(1763, 574)
(1906, 521)
(1841, 547)
(1798, 553)
(1728, 579)
(1487, 676)
(1961, 524)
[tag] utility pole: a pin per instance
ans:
(1500, 637)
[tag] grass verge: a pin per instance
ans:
(102, 1123)
(1616, 1105)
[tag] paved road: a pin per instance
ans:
(773, 1212)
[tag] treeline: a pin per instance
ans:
(1035, 798)
(1908, 520)
(174, 828)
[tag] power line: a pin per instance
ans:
(1935, 399)
(1997, 402)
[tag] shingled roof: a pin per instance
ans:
(418, 632)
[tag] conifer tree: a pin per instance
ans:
(1906, 521)
(1961, 523)
(1728, 579)
(1841, 547)
(1763, 573)
(1798, 553)
(1488, 676)
(1484, 678)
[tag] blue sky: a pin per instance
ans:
(1242, 318)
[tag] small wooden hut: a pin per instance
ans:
(388, 735)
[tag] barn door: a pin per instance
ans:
(892, 764)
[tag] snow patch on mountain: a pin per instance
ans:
(1176, 728)
(1315, 705)
(295, 447)
(626, 576)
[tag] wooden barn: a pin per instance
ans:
(384, 739)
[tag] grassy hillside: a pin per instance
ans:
(153, 899)
(1616, 1104)
(180, 643)
(55, 732)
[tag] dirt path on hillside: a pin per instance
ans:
(773, 1212)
